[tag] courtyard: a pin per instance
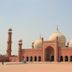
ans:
(36, 67)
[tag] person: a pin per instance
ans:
(24, 61)
(2, 62)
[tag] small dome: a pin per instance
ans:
(20, 42)
(61, 38)
(10, 29)
(70, 43)
(38, 43)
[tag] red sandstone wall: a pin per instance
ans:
(32, 52)
(14, 59)
(66, 51)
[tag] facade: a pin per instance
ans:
(54, 49)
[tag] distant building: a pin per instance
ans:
(54, 49)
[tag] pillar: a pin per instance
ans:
(56, 59)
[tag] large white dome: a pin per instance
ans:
(38, 43)
(70, 43)
(61, 38)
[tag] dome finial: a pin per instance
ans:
(40, 36)
(57, 29)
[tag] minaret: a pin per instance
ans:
(9, 42)
(20, 50)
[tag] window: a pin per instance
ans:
(70, 58)
(61, 58)
(35, 58)
(27, 58)
(66, 58)
(31, 58)
(39, 58)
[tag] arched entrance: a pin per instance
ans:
(49, 54)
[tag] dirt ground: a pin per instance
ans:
(36, 67)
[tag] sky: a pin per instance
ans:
(31, 18)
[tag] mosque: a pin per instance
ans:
(55, 49)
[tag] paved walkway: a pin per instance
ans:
(36, 67)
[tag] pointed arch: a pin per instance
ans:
(49, 54)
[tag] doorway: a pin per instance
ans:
(49, 54)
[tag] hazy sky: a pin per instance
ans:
(31, 18)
